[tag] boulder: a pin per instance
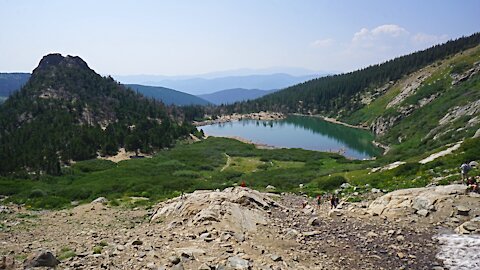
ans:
(238, 263)
(345, 185)
(469, 227)
(275, 257)
(314, 221)
(43, 258)
(463, 210)
(407, 201)
(100, 200)
(238, 209)
(190, 252)
(423, 212)
(291, 234)
(270, 187)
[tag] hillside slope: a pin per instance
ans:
(230, 96)
(168, 96)
(67, 112)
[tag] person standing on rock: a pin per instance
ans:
(464, 169)
(319, 200)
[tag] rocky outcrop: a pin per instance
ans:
(367, 97)
(421, 201)
(239, 209)
(458, 78)
(265, 116)
(470, 109)
(469, 227)
(409, 88)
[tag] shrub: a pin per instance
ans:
(460, 68)
(97, 249)
(206, 168)
(330, 182)
(409, 168)
(94, 165)
(186, 173)
(49, 202)
(37, 193)
(263, 166)
(66, 253)
(231, 174)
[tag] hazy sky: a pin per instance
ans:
(199, 36)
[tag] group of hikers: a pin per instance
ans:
(471, 182)
(334, 201)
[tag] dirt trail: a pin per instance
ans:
(229, 161)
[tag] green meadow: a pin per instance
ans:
(217, 163)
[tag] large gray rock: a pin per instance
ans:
(100, 200)
(469, 227)
(238, 263)
(238, 209)
(43, 258)
(407, 201)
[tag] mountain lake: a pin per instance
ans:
(311, 133)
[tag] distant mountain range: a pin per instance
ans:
(168, 96)
(230, 96)
(199, 86)
(10, 82)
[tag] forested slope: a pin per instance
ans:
(68, 112)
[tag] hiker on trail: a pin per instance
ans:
(464, 169)
(243, 184)
(333, 202)
(304, 204)
(319, 200)
(472, 184)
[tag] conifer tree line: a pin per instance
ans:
(331, 94)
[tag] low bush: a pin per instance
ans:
(328, 183)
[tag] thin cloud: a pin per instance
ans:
(322, 43)
(382, 32)
(384, 42)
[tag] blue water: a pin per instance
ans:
(309, 133)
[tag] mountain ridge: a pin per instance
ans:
(229, 96)
(168, 96)
(75, 114)
(198, 86)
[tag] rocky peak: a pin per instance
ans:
(57, 60)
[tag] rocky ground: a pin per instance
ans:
(239, 228)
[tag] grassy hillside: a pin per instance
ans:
(187, 167)
(439, 111)
(219, 163)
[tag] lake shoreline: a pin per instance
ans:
(243, 140)
(297, 131)
(332, 120)
(265, 116)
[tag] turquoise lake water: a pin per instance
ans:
(309, 133)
